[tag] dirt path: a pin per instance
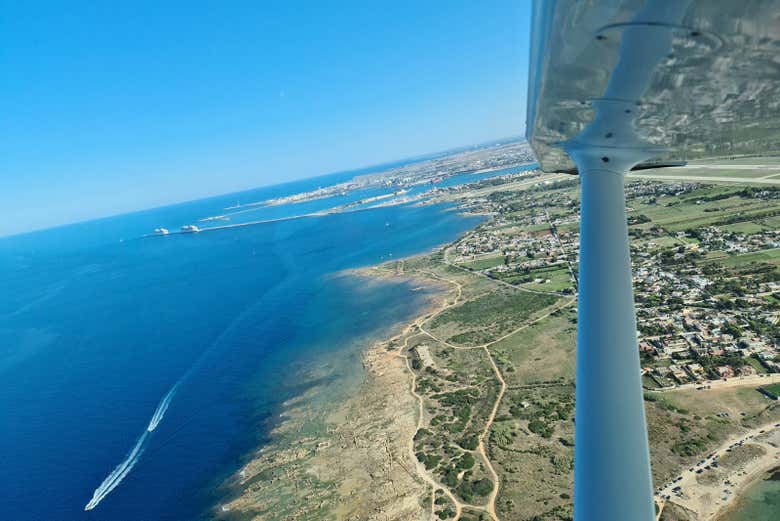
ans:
(419, 467)
(694, 493)
(435, 485)
(490, 506)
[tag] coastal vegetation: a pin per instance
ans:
(492, 365)
(488, 317)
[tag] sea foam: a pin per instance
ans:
(123, 469)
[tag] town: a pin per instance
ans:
(488, 417)
(707, 287)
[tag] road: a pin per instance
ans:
(689, 477)
(554, 233)
(736, 381)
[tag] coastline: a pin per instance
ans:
(360, 465)
(742, 462)
(350, 459)
(759, 476)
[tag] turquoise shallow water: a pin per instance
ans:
(137, 373)
(760, 502)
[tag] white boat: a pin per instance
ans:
(161, 231)
(190, 228)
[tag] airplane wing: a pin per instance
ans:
(617, 85)
(714, 92)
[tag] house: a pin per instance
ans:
(725, 371)
(746, 370)
(678, 374)
(695, 370)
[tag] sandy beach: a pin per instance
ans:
(715, 484)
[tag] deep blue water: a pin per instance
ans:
(97, 326)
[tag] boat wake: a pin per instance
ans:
(160, 411)
(123, 469)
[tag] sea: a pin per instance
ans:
(759, 502)
(137, 372)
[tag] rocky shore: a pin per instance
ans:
(346, 460)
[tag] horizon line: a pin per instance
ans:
(375, 166)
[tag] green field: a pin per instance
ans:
(756, 364)
(664, 242)
(559, 280)
(543, 351)
(770, 256)
(483, 263)
(772, 388)
(745, 227)
(558, 275)
(716, 205)
(537, 227)
(772, 222)
(488, 317)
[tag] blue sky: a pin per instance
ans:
(109, 107)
